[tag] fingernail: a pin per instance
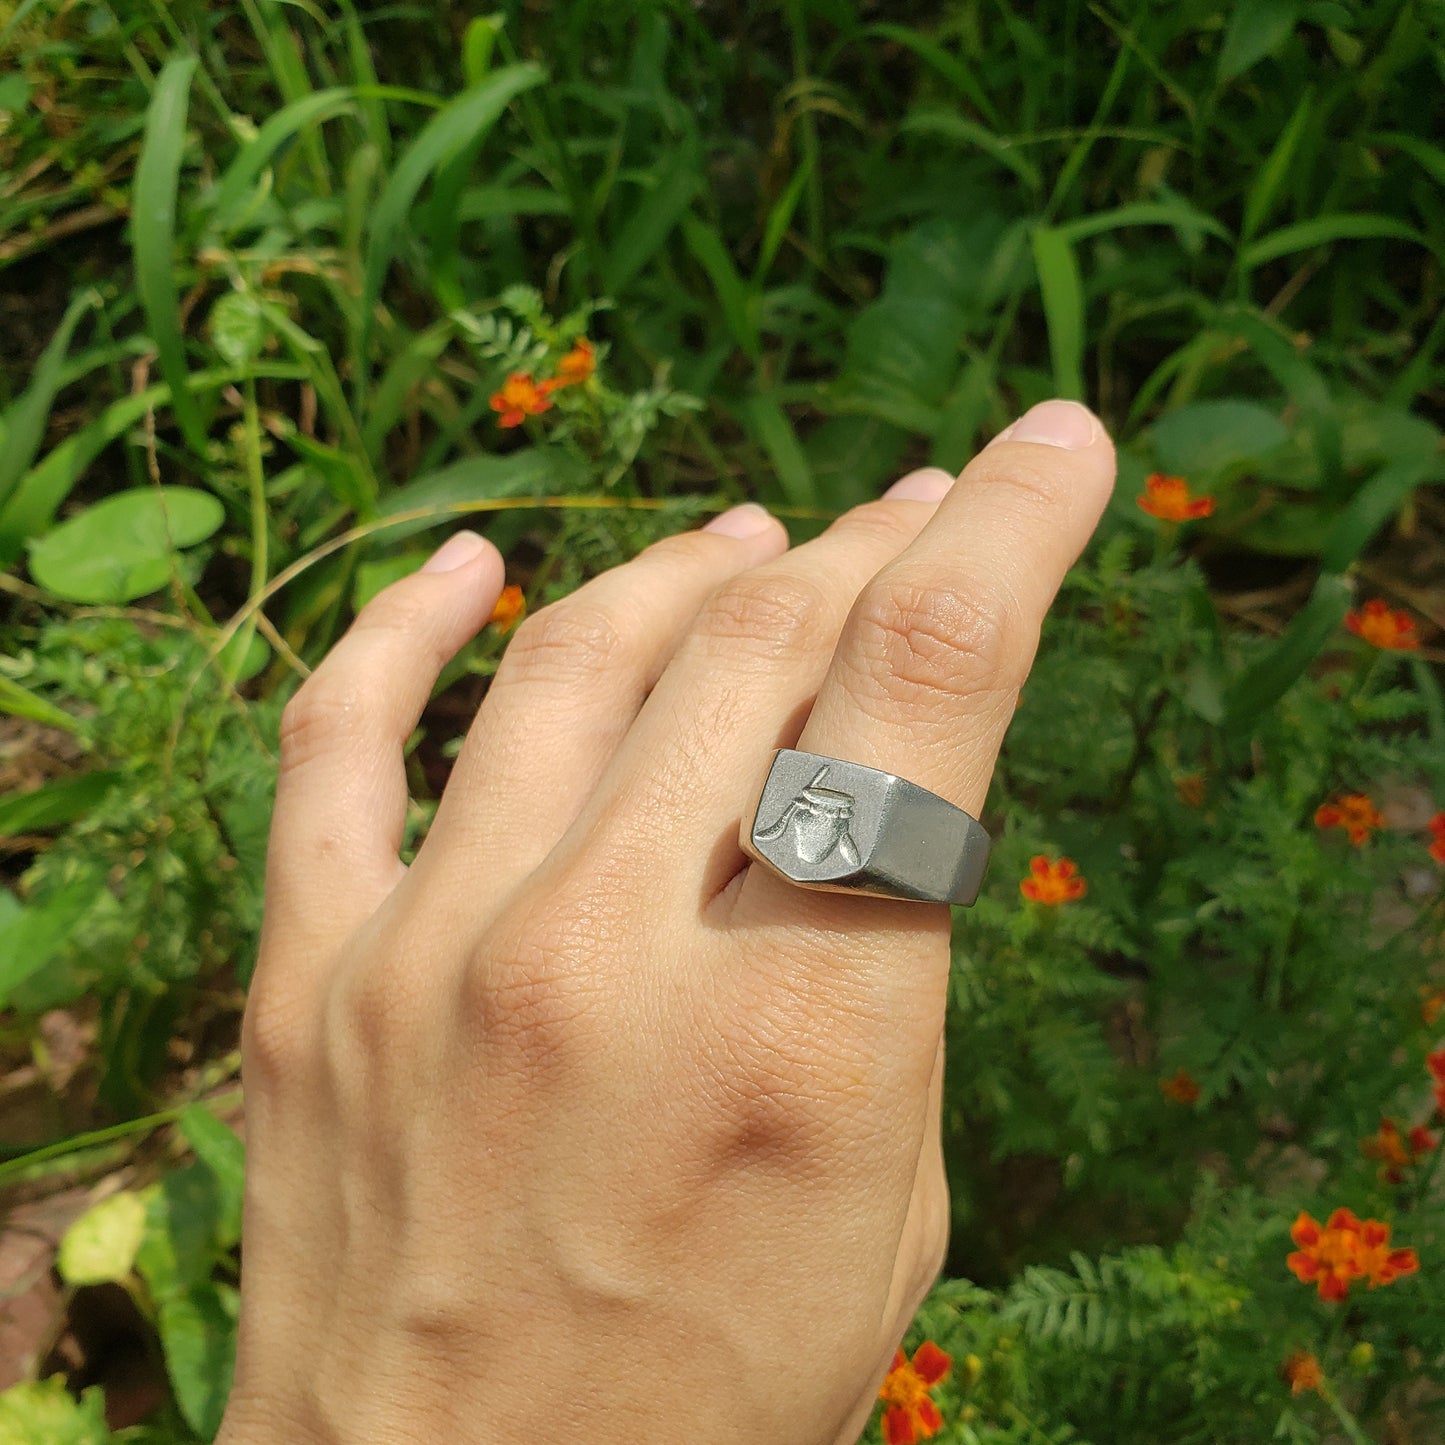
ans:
(929, 484)
(748, 520)
(455, 552)
(1064, 424)
(1003, 436)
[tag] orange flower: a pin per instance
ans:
(1355, 813)
(1190, 789)
(911, 1415)
(509, 609)
(519, 398)
(1053, 881)
(578, 364)
(1180, 1088)
(1432, 1000)
(1436, 1064)
(1346, 1249)
(1437, 837)
(1170, 499)
(1380, 1263)
(1395, 1151)
(1303, 1372)
(1382, 628)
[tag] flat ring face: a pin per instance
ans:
(826, 823)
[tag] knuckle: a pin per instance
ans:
(776, 611)
(880, 521)
(275, 1038)
(399, 610)
(907, 637)
(1036, 487)
(572, 636)
(316, 715)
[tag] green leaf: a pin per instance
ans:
(1257, 28)
(123, 547)
(31, 935)
(21, 702)
(1323, 231)
(733, 296)
(652, 217)
(1207, 439)
(1270, 676)
(101, 1246)
(1370, 508)
(478, 44)
(238, 329)
(232, 198)
(52, 804)
(459, 124)
(1430, 158)
(769, 425)
(1259, 202)
(181, 1245)
(198, 1335)
(1178, 213)
(46, 1413)
(25, 420)
(153, 235)
(221, 1151)
(46, 485)
(1063, 297)
(445, 493)
(14, 93)
(951, 126)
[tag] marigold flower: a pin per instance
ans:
(1437, 837)
(1355, 813)
(1190, 789)
(1382, 628)
(1052, 881)
(578, 364)
(1180, 1088)
(1303, 1372)
(1170, 499)
(519, 398)
(1436, 1064)
(1395, 1151)
(509, 609)
(1345, 1249)
(1381, 1264)
(1432, 1000)
(911, 1414)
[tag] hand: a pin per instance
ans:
(580, 1128)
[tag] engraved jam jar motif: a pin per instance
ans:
(819, 818)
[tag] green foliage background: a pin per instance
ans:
(268, 261)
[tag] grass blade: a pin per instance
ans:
(1269, 677)
(460, 123)
(1322, 231)
(1263, 194)
(25, 420)
(1063, 295)
(153, 227)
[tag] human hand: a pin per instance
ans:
(581, 1127)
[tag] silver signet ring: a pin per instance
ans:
(825, 823)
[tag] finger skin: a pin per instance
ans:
(736, 688)
(341, 797)
(566, 693)
(930, 662)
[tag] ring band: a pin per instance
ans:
(826, 823)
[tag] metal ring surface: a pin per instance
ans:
(826, 823)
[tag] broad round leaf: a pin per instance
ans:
(238, 330)
(101, 1246)
(123, 548)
